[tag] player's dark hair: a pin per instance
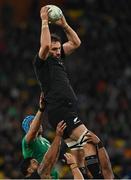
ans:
(55, 37)
(34, 175)
(24, 165)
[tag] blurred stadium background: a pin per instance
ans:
(100, 72)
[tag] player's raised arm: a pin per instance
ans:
(45, 39)
(73, 166)
(73, 39)
(35, 124)
(102, 154)
(52, 153)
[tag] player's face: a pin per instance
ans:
(55, 49)
(40, 131)
(33, 165)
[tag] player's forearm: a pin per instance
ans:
(35, 125)
(105, 164)
(76, 172)
(72, 36)
(53, 151)
(50, 157)
(45, 38)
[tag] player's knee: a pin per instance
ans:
(81, 143)
(89, 149)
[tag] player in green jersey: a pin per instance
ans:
(32, 169)
(33, 144)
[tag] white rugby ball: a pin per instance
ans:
(55, 13)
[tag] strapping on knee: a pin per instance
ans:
(84, 172)
(79, 143)
(75, 146)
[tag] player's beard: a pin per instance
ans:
(57, 56)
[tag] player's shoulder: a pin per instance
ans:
(23, 138)
(45, 140)
(38, 62)
(24, 143)
(37, 58)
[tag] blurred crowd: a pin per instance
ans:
(100, 73)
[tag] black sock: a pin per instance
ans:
(92, 163)
(84, 172)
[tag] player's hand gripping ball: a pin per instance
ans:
(55, 13)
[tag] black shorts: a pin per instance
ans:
(69, 114)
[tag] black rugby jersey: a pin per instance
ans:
(54, 82)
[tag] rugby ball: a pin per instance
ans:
(55, 13)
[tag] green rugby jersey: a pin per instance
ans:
(37, 149)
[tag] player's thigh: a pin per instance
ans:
(78, 132)
(79, 156)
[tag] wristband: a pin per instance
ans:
(44, 24)
(100, 144)
(73, 166)
(41, 109)
(44, 21)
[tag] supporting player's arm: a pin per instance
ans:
(50, 157)
(35, 125)
(102, 154)
(45, 38)
(73, 166)
(73, 39)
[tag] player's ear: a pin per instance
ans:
(32, 161)
(30, 170)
